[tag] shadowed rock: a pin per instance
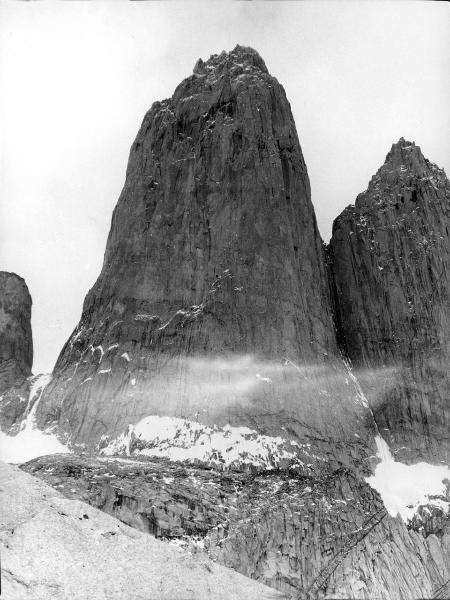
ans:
(16, 344)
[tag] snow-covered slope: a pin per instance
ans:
(404, 488)
(30, 441)
(182, 439)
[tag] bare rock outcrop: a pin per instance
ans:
(390, 262)
(16, 344)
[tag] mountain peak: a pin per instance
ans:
(405, 154)
(404, 168)
(10, 275)
(240, 57)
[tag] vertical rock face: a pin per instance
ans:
(390, 268)
(217, 204)
(213, 252)
(16, 344)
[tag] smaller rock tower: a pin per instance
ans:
(16, 344)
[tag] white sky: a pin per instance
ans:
(76, 79)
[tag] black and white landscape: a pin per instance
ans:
(242, 410)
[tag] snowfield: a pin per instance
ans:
(30, 442)
(403, 488)
(182, 439)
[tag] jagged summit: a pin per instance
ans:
(398, 179)
(402, 150)
(406, 180)
(406, 154)
(402, 143)
(244, 57)
(220, 77)
(8, 274)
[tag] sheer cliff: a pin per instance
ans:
(390, 256)
(213, 302)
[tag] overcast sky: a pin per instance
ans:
(77, 78)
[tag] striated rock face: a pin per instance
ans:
(390, 262)
(16, 344)
(320, 536)
(213, 302)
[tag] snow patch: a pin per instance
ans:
(403, 488)
(100, 349)
(37, 388)
(361, 396)
(264, 379)
(145, 317)
(182, 439)
(120, 460)
(30, 442)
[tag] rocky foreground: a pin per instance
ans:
(59, 548)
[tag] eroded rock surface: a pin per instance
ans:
(390, 258)
(16, 344)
